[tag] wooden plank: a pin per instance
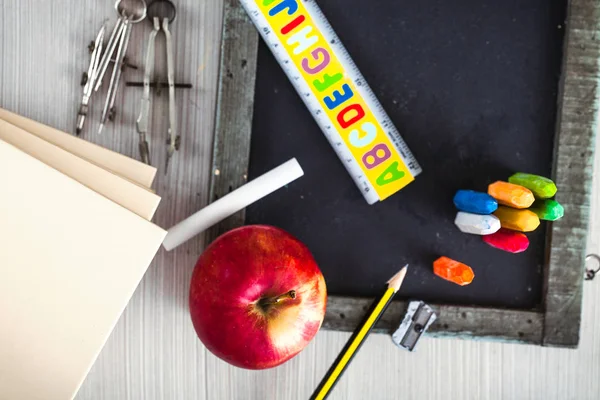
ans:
(231, 149)
(153, 353)
(573, 171)
(345, 313)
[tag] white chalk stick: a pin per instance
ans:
(232, 203)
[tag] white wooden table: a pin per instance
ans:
(153, 352)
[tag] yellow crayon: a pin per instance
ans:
(517, 220)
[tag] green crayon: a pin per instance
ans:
(548, 210)
(542, 188)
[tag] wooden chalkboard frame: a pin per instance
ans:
(557, 322)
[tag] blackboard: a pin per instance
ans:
(472, 86)
(478, 90)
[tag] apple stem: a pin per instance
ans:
(274, 300)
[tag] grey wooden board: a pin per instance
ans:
(43, 48)
(237, 71)
(153, 352)
(573, 169)
(452, 321)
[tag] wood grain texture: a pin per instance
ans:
(573, 171)
(234, 114)
(153, 352)
(345, 313)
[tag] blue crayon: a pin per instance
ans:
(475, 202)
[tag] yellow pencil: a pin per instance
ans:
(359, 336)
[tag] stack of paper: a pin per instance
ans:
(75, 241)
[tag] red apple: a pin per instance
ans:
(257, 297)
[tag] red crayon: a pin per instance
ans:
(507, 240)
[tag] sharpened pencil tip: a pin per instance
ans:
(396, 280)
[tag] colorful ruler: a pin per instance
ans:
(336, 94)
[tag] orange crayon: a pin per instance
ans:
(453, 271)
(511, 195)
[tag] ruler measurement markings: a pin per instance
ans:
(353, 73)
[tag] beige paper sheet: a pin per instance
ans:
(126, 167)
(129, 195)
(70, 261)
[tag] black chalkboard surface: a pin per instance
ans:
(472, 86)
